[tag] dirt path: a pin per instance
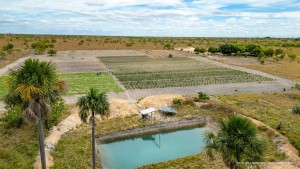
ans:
(4, 71)
(55, 133)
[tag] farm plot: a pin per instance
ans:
(141, 72)
(80, 83)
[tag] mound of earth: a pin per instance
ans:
(119, 107)
(157, 101)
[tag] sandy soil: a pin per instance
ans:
(157, 101)
(119, 107)
(69, 123)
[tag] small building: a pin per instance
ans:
(147, 112)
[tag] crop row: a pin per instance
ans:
(179, 75)
(162, 83)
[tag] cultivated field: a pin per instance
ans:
(80, 83)
(141, 72)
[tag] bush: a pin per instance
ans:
(2, 54)
(199, 50)
(170, 56)
(13, 117)
(212, 49)
(296, 110)
(57, 110)
(228, 49)
(253, 49)
(297, 86)
(278, 52)
(168, 46)
(269, 52)
(201, 96)
(52, 52)
(177, 101)
(292, 56)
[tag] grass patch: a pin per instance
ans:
(3, 88)
(285, 69)
(19, 146)
(76, 145)
(80, 83)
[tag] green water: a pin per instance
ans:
(148, 149)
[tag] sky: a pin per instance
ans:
(178, 18)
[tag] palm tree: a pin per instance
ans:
(34, 86)
(95, 103)
(236, 141)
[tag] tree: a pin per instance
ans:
(52, 52)
(199, 50)
(254, 50)
(236, 141)
(269, 52)
(212, 49)
(95, 103)
(228, 49)
(34, 86)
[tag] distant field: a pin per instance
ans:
(80, 83)
(141, 72)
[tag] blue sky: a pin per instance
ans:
(187, 18)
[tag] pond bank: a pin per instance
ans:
(158, 127)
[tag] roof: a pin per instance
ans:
(168, 109)
(147, 111)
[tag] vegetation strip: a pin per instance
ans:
(158, 127)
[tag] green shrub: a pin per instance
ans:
(199, 50)
(296, 110)
(52, 52)
(212, 49)
(57, 110)
(2, 54)
(297, 86)
(13, 117)
(177, 101)
(201, 96)
(292, 56)
(168, 46)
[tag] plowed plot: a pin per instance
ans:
(141, 72)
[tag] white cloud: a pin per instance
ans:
(148, 17)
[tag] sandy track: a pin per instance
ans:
(55, 133)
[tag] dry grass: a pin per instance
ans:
(272, 109)
(286, 69)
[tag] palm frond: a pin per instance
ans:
(27, 91)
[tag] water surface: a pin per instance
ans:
(148, 149)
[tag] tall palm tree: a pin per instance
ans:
(34, 86)
(236, 141)
(93, 102)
